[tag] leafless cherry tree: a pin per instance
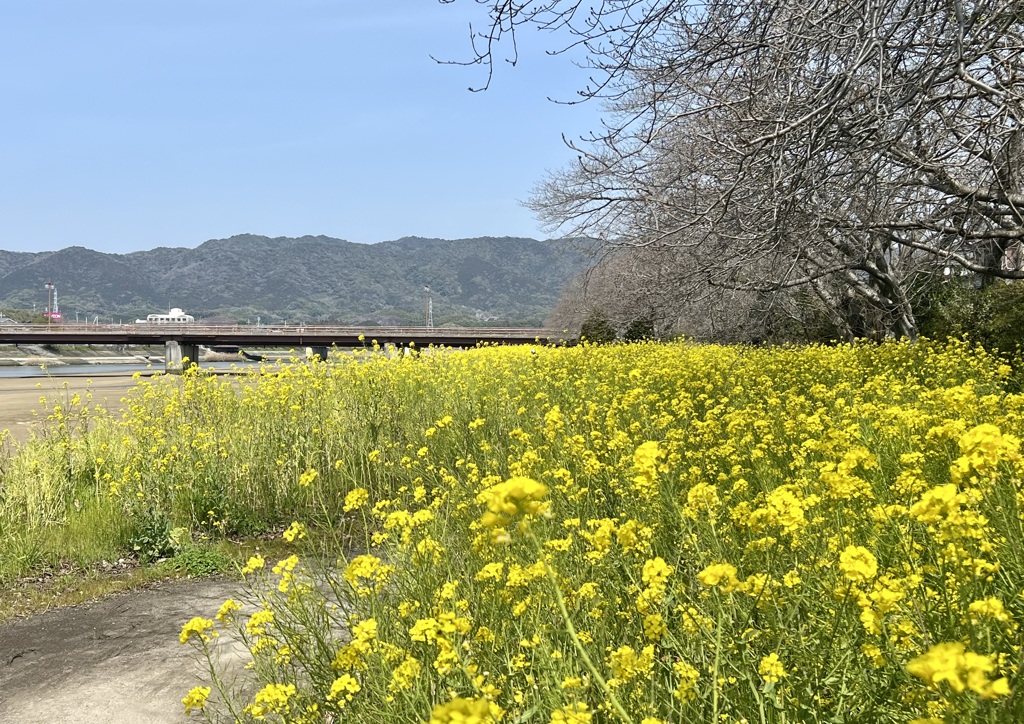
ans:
(852, 149)
(649, 285)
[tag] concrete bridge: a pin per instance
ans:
(183, 341)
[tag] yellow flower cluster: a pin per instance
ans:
(343, 689)
(516, 496)
(271, 699)
(649, 532)
(771, 669)
(466, 711)
(227, 609)
(858, 564)
(982, 449)
(355, 499)
(576, 713)
(198, 627)
(296, 531)
(196, 698)
(366, 573)
(626, 664)
(722, 575)
(255, 563)
(960, 669)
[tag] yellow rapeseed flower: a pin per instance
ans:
(258, 622)
(197, 627)
(227, 609)
(516, 496)
(466, 711)
(626, 664)
(656, 571)
(296, 531)
(983, 448)
(960, 669)
(858, 564)
(572, 682)
(366, 573)
(404, 675)
(355, 499)
(272, 698)
(286, 565)
(343, 689)
(722, 575)
(937, 504)
(255, 563)
(196, 698)
(771, 669)
(645, 462)
(654, 626)
(686, 688)
(576, 713)
(990, 607)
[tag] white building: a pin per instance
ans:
(175, 316)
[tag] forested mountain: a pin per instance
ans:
(310, 279)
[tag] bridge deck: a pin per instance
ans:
(272, 336)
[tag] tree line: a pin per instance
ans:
(766, 166)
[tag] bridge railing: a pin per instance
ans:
(148, 329)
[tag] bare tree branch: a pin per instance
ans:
(852, 148)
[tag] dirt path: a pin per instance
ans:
(117, 661)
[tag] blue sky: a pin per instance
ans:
(132, 124)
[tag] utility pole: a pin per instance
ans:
(49, 301)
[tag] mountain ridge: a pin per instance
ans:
(311, 278)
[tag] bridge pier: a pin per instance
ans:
(178, 357)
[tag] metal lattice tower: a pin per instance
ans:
(430, 309)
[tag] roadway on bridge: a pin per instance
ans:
(305, 336)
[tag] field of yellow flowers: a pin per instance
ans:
(644, 533)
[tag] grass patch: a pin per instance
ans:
(70, 583)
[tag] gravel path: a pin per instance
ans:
(117, 661)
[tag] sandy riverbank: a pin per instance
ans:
(19, 397)
(63, 361)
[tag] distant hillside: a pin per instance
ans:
(311, 279)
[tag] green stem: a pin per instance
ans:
(616, 704)
(718, 659)
(218, 684)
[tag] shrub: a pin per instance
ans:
(596, 328)
(992, 315)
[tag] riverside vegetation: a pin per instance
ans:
(643, 533)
